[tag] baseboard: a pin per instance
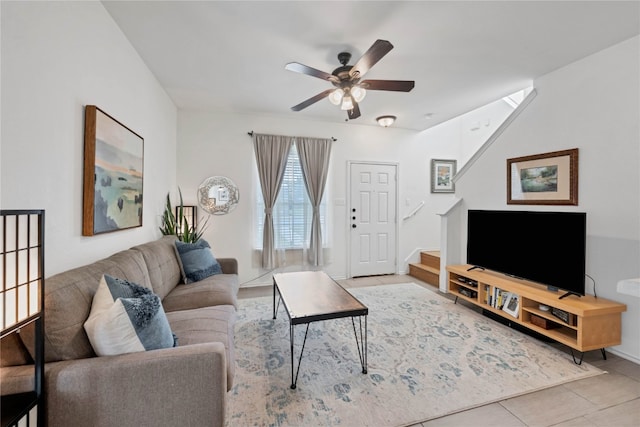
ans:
(624, 355)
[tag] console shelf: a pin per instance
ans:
(589, 323)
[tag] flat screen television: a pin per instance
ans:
(544, 247)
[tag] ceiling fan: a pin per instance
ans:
(349, 88)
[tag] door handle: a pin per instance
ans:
(353, 226)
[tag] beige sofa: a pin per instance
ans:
(183, 385)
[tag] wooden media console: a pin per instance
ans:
(581, 323)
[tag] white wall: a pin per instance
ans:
(593, 105)
(0, 110)
(58, 57)
(217, 144)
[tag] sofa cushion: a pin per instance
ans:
(208, 324)
(126, 318)
(68, 297)
(16, 379)
(196, 261)
(13, 352)
(228, 265)
(162, 263)
(219, 289)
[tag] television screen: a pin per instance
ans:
(544, 247)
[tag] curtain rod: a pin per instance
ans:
(251, 134)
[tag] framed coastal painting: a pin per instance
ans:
(543, 179)
(113, 172)
(442, 172)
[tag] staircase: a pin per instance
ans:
(428, 270)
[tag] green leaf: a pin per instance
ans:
(178, 225)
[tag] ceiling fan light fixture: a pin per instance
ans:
(347, 103)
(358, 93)
(336, 96)
(386, 121)
(349, 90)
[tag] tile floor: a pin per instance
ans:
(609, 400)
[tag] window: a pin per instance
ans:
(292, 212)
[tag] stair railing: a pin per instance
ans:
(414, 212)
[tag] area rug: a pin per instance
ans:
(427, 357)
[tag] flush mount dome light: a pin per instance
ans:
(386, 121)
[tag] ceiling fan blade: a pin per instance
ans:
(296, 67)
(395, 85)
(375, 53)
(354, 113)
(312, 100)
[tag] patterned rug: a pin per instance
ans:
(427, 358)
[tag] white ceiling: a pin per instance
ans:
(229, 56)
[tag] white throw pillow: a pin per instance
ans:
(126, 318)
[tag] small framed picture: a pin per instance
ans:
(442, 173)
(512, 305)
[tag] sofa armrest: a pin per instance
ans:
(176, 386)
(228, 265)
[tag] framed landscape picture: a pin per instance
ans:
(543, 179)
(113, 172)
(442, 172)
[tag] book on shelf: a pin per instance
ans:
(512, 304)
(498, 297)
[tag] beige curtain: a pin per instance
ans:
(314, 156)
(271, 157)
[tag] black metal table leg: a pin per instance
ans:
(275, 308)
(294, 380)
(361, 342)
(291, 331)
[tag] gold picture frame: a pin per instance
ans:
(543, 179)
(113, 174)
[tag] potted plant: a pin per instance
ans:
(178, 225)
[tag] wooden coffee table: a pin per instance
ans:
(312, 296)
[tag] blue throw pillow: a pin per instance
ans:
(196, 261)
(125, 318)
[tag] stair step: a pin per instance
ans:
(430, 258)
(425, 273)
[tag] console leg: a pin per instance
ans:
(577, 362)
(604, 355)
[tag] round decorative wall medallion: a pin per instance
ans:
(218, 195)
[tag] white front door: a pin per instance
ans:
(372, 218)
